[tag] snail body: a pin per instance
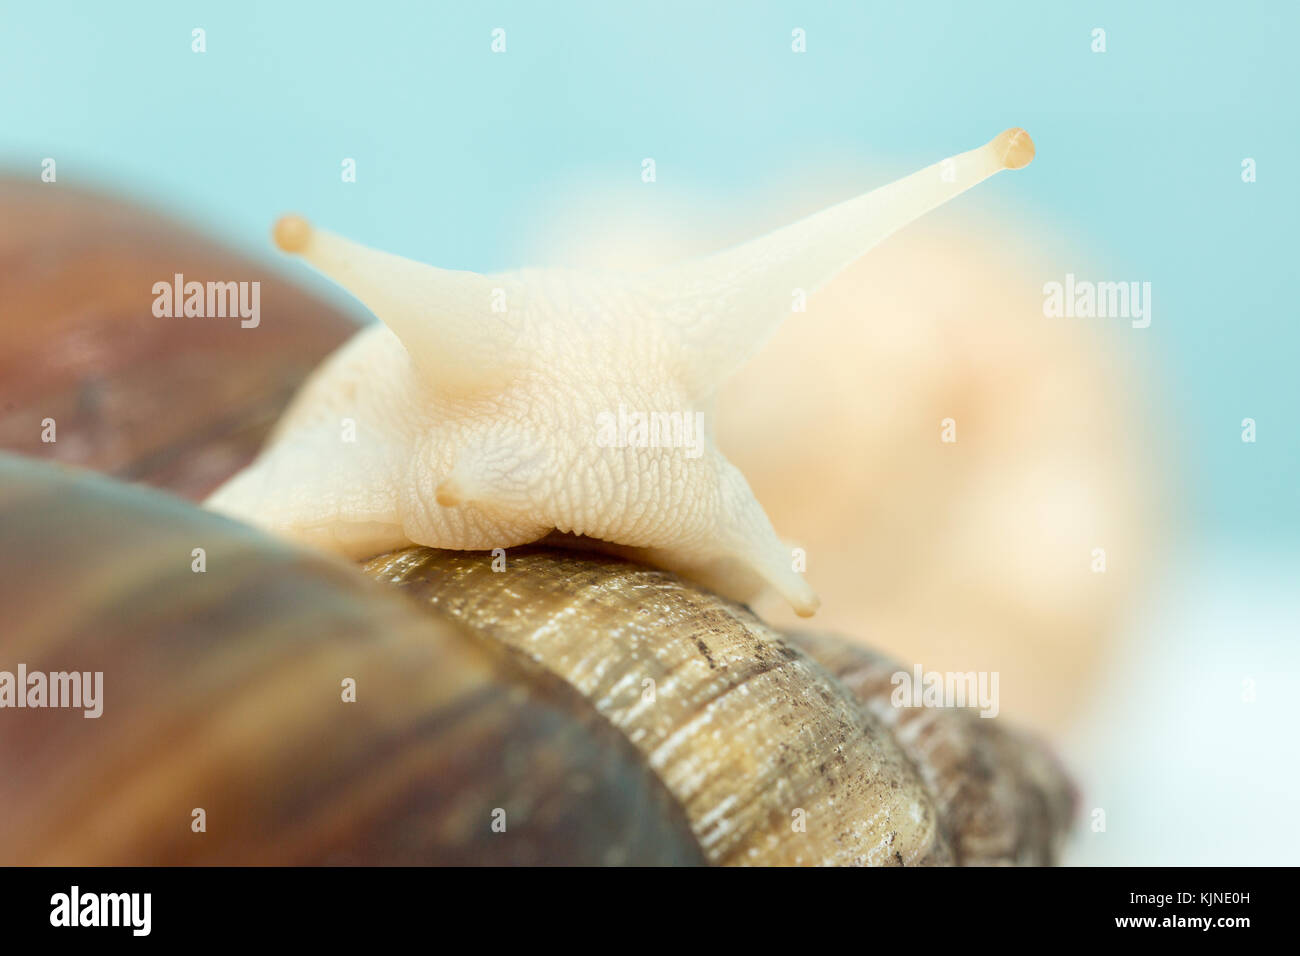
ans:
(483, 414)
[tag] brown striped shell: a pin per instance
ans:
(222, 692)
(612, 712)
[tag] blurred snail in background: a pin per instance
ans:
(975, 485)
(577, 708)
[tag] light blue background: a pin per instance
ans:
(463, 155)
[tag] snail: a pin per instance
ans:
(565, 707)
(489, 411)
(577, 708)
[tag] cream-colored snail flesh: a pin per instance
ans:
(490, 411)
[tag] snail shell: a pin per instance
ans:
(1000, 794)
(178, 403)
(772, 760)
(522, 692)
(221, 692)
(751, 729)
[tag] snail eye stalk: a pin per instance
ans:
(727, 305)
(444, 318)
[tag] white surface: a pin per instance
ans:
(1187, 771)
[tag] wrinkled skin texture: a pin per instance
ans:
(528, 459)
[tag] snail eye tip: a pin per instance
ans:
(291, 233)
(1015, 147)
